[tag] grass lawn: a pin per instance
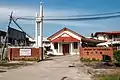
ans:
(107, 77)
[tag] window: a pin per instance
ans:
(100, 52)
(75, 45)
(110, 36)
(56, 45)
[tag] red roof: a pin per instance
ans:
(92, 40)
(65, 39)
(109, 33)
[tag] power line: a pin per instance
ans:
(84, 19)
(74, 19)
(24, 18)
(94, 17)
(87, 15)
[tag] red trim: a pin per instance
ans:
(114, 32)
(65, 39)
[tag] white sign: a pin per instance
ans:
(25, 52)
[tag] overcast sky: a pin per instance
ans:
(61, 8)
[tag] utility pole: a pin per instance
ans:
(39, 30)
(36, 30)
(39, 25)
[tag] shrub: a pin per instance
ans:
(45, 52)
(89, 59)
(29, 59)
(85, 59)
(93, 59)
(106, 58)
(107, 77)
(116, 56)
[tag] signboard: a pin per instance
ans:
(25, 52)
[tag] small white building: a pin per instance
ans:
(108, 36)
(111, 38)
(65, 42)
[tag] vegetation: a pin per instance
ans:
(88, 59)
(116, 56)
(108, 77)
(29, 59)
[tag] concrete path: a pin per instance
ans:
(56, 68)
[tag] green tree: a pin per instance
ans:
(116, 56)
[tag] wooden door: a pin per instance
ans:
(65, 49)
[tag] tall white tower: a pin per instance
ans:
(39, 27)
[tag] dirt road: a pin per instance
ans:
(56, 68)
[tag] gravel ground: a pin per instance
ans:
(55, 68)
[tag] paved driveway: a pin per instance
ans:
(56, 68)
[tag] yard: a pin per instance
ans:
(102, 71)
(5, 66)
(55, 68)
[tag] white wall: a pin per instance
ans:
(55, 51)
(74, 51)
(102, 37)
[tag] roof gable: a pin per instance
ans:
(65, 32)
(65, 38)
